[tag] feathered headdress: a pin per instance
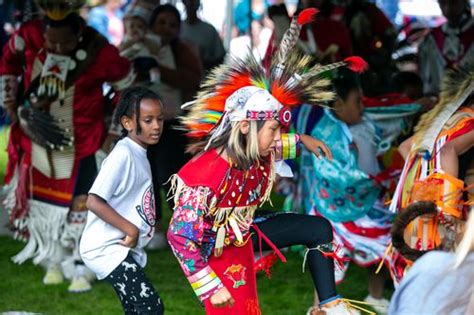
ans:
(58, 10)
(228, 92)
(458, 86)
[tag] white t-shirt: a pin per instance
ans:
(124, 182)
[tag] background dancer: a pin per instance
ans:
(62, 65)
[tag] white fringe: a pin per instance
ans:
(45, 224)
(8, 192)
(8, 196)
(243, 216)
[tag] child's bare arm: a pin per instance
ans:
(451, 151)
(404, 147)
(317, 147)
(112, 217)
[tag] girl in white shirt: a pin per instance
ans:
(122, 209)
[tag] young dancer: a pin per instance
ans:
(122, 208)
(436, 185)
(239, 113)
(344, 190)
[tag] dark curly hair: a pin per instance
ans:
(129, 105)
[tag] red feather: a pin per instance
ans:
(356, 64)
(307, 16)
(285, 97)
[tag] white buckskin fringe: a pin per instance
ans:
(8, 192)
(45, 224)
(8, 195)
(237, 219)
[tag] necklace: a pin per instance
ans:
(226, 218)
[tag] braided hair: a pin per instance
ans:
(129, 105)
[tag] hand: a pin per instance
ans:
(131, 237)
(222, 298)
(316, 146)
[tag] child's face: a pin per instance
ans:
(350, 110)
(166, 26)
(135, 27)
(267, 136)
(151, 123)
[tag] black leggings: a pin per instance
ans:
(135, 291)
(286, 229)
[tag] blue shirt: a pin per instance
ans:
(432, 286)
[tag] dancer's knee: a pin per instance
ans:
(322, 231)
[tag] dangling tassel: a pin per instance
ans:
(352, 304)
(328, 254)
(42, 87)
(218, 248)
(388, 252)
(62, 90)
(265, 264)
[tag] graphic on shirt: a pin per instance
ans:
(147, 208)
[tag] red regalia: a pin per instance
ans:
(236, 196)
(69, 89)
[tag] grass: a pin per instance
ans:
(3, 153)
(287, 292)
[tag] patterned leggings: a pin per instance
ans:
(135, 291)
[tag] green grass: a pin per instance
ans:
(3, 153)
(287, 292)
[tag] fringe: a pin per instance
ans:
(8, 192)
(179, 190)
(45, 224)
(243, 216)
(271, 181)
(12, 201)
